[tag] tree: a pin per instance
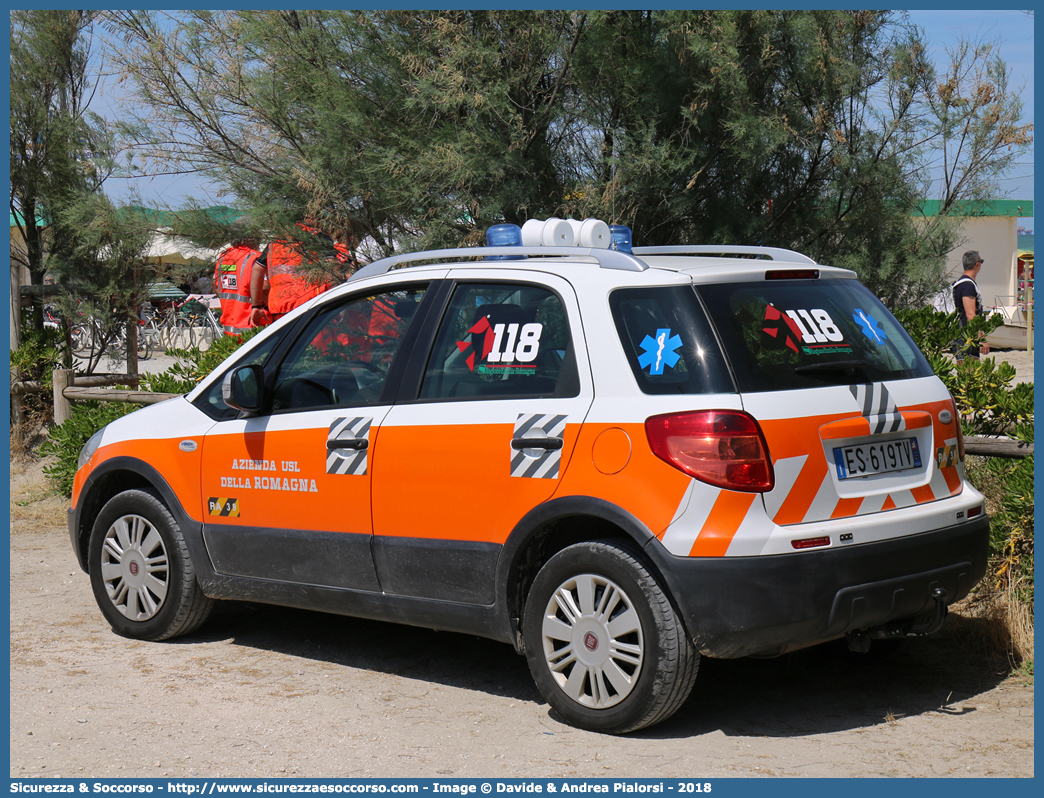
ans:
(102, 272)
(52, 135)
(973, 123)
(801, 129)
(61, 153)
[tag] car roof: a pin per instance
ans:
(701, 263)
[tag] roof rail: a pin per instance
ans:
(606, 258)
(708, 250)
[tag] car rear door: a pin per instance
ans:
(489, 432)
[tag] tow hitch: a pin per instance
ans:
(859, 640)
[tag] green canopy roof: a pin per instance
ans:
(164, 290)
(219, 213)
(1015, 208)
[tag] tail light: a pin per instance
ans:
(724, 448)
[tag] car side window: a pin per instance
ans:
(344, 354)
(502, 341)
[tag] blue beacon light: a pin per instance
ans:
(504, 235)
(620, 238)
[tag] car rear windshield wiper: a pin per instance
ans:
(832, 370)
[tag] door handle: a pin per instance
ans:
(551, 444)
(351, 443)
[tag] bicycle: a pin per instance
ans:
(200, 315)
(189, 315)
(159, 326)
(91, 339)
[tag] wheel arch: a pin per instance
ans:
(115, 476)
(552, 526)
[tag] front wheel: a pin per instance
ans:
(141, 572)
(604, 644)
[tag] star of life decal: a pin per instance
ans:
(660, 351)
(869, 326)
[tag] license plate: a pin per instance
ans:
(865, 459)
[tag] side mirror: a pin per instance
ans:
(243, 389)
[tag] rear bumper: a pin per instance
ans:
(739, 606)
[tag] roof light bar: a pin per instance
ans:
(504, 235)
(621, 238)
(605, 258)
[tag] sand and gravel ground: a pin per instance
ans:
(269, 692)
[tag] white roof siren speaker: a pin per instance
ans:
(556, 232)
(590, 233)
(551, 233)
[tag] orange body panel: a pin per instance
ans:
(646, 487)
(725, 518)
(179, 468)
(416, 493)
(279, 479)
(791, 437)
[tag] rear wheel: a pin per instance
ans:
(141, 572)
(144, 347)
(604, 644)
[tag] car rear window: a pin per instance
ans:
(794, 334)
(668, 341)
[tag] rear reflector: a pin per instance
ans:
(792, 274)
(810, 543)
(960, 431)
(724, 448)
(974, 511)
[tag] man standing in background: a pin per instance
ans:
(968, 302)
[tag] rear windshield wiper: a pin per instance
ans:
(833, 369)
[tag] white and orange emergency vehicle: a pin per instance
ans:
(616, 460)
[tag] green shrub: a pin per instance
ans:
(990, 406)
(192, 365)
(39, 353)
(66, 440)
(989, 403)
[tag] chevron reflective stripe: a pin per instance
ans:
(825, 504)
(537, 463)
(878, 407)
(348, 461)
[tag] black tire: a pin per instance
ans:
(637, 664)
(141, 571)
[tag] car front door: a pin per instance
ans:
(288, 492)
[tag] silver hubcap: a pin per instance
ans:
(593, 641)
(134, 567)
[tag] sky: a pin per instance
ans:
(1014, 31)
(943, 28)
